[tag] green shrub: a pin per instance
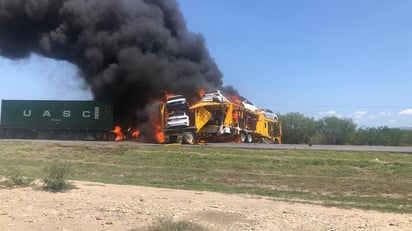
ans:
(16, 179)
(55, 179)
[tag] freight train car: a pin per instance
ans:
(56, 119)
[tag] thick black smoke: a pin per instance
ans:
(128, 51)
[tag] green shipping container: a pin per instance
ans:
(52, 114)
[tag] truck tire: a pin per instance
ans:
(242, 137)
(249, 138)
(188, 138)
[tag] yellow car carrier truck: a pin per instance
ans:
(218, 121)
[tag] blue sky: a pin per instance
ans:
(348, 58)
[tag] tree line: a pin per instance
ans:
(299, 129)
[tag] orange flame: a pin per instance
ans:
(236, 99)
(168, 95)
(160, 136)
(201, 93)
(135, 133)
(154, 127)
(119, 134)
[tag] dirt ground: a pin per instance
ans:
(96, 206)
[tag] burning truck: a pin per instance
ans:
(216, 118)
(126, 52)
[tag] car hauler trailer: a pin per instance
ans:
(57, 119)
(219, 121)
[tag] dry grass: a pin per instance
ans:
(369, 180)
(169, 225)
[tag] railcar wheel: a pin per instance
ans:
(98, 135)
(22, 134)
(111, 136)
(10, 133)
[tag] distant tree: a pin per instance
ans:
(335, 130)
(392, 136)
(406, 139)
(361, 137)
(297, 128)
(379, 136)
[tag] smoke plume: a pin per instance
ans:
(129, 51)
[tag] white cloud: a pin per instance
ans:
(380, 115)
(406, 112)
(331, 113)
(364, 118)
(359, 114)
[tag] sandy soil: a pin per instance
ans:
(96, 206)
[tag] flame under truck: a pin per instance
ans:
(216, 119)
